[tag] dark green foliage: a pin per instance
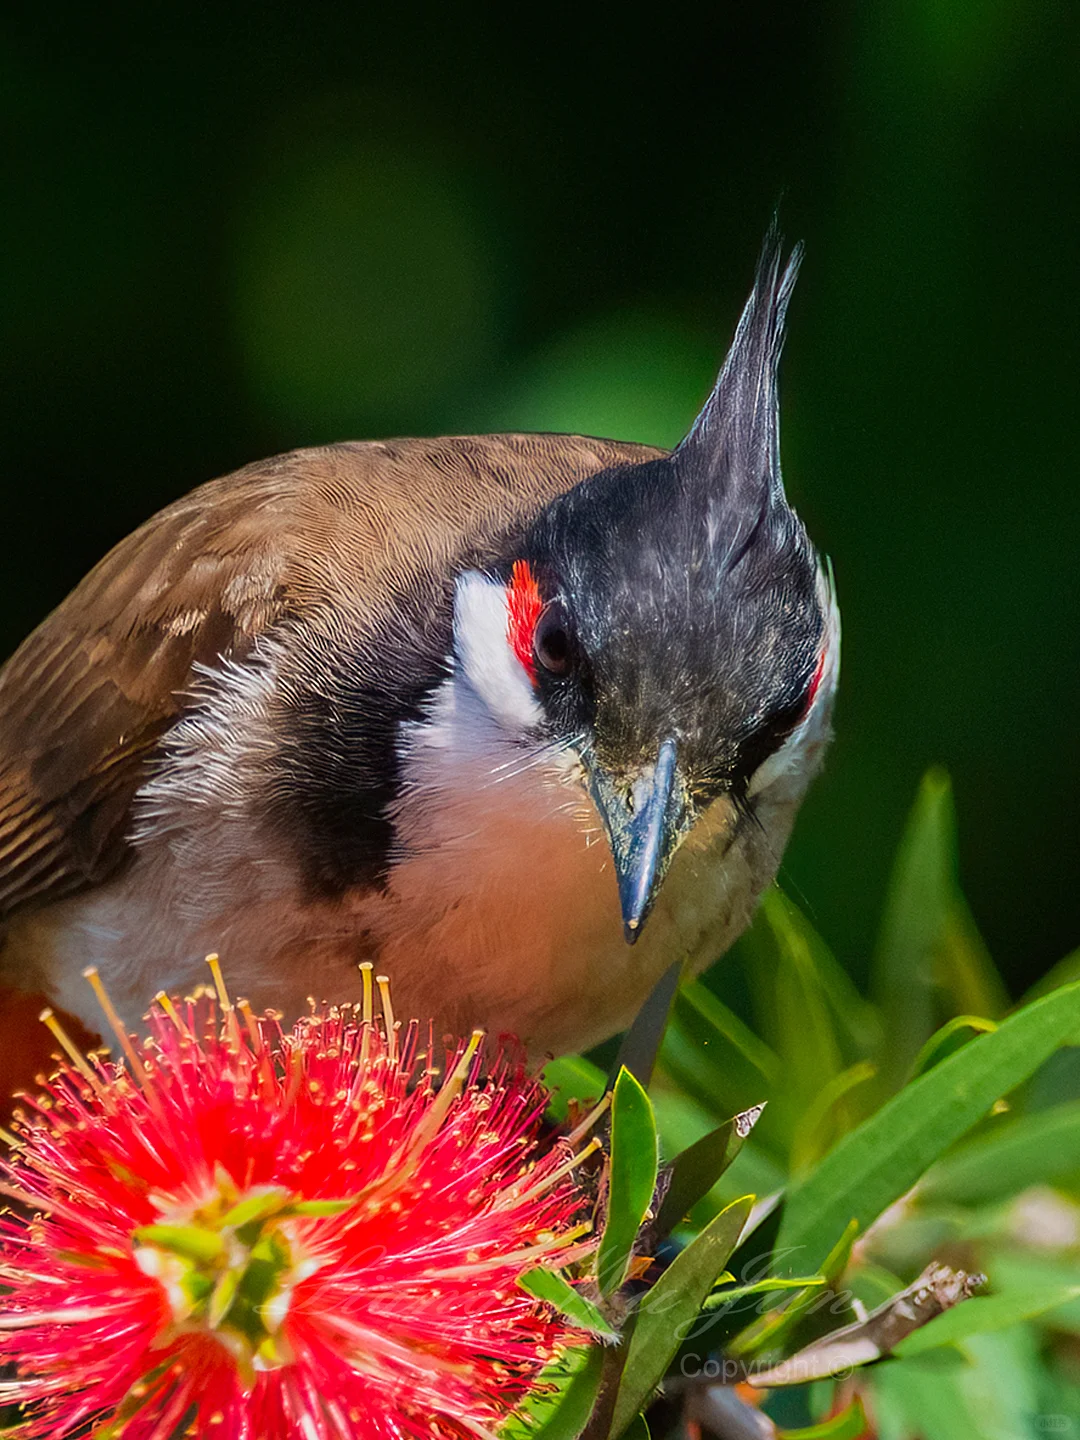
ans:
(927, 1125)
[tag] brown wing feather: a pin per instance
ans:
(88, 695)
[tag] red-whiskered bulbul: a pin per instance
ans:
(475, 709)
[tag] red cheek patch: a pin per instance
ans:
(524, 605)
(816, 681)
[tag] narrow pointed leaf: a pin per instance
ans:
(696, 1170)
(753, 1258)
(670, 1308)
(800, 1026)
(777, 1326)
(825, 1116)
(877, 1163)
(191, 1242)
(922, 889)
(963, 967)
(641, 1043)
(857, 1022)
(564, 1415)
(578, 1308)
(256, 1207)
(634, 1163)
(719, 1298)
(1038, 1149)
(952, 1036)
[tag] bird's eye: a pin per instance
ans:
(551, 640)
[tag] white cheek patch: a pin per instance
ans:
(485, 657)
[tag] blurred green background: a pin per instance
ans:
(229, 231)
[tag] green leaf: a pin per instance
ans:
(669, 1309)
(799, 1022)
(993, 1398)
(256, 1207)
(1015, 1270)
(579, 1310)
(190, 1242)
(1063, 973)
(922, 890)
(877, 1163)
(963, 968)
(756, 1173)
(1034, 1149)
(696, 1170)
(714, 1057)
(722, 1297)
(753, 1258)
(776, 1327)
(572, 1078)
(318, 1209)
(634, 1163)
(575, 1377)
(823, 1119)
(952, 1036)
(857, 1021)
(224, 1293)
(850, 1424)
(977, 1316)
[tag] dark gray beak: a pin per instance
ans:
(645, 823)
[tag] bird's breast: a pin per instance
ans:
(500, 908)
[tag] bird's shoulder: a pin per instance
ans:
(87, 697)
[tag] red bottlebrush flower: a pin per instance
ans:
(258, 1234)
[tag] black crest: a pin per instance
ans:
(734, 445)
(688, 583)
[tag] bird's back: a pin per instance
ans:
(348, 536)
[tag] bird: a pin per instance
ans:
(519, 719)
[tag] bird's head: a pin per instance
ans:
(669, 622)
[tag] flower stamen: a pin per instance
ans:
(243, 1221)
(71, 1050)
